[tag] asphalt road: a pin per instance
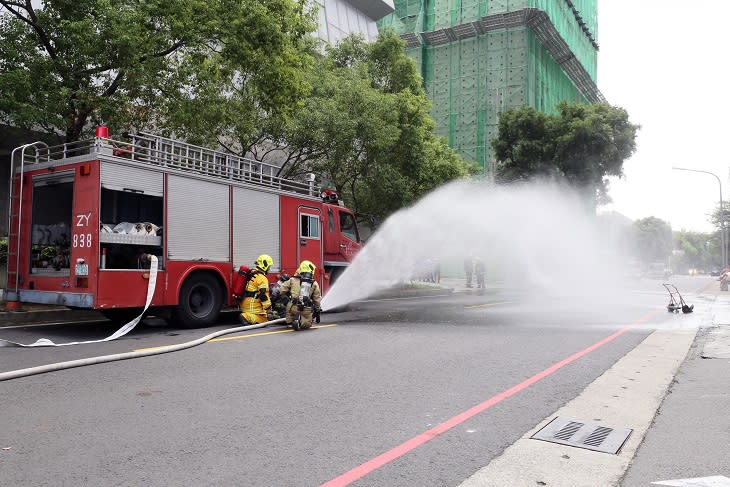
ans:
(379, 395)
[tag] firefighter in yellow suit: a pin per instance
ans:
(256, 304)
(305, 297)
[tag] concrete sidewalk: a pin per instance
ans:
(690, 435)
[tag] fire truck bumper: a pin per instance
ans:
(72, 300)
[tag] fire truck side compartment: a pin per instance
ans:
(198, 220)
(255, 227)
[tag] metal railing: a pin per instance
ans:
(165, 152)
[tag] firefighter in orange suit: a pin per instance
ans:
(305, 297)
(256, 304)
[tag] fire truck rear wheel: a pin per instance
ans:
(201, 298)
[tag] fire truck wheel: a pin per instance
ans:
(121, 316)
(201, 299)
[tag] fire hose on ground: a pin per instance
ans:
(44, 342)
(42, 369)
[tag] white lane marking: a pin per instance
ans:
(487, 304)
(714, 481)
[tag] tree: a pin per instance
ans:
(193, 65)
(716, 238)
(653, 238)
(695, 250)
(583, 144)
(241, 74)
(366, 128)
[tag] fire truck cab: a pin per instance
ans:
(85, 217)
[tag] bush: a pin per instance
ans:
(3, 251)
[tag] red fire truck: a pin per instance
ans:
(85, 215)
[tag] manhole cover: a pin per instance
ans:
(591, 436)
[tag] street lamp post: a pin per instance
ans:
(722, 212)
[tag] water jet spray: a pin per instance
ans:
(538, 236)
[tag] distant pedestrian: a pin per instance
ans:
(436, 270)
(724, 278)
(469, 269)
(480, 271)
(427, 271)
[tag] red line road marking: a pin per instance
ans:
(371, 465)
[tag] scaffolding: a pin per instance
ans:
(480, 57)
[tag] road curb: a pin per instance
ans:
(8, 318)
(411, 293)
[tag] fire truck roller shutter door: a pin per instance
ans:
(255, 227)
(197, 220)
(125, 178)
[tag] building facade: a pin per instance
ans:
(340, 18)
(480, 57)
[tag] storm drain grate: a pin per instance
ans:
(579, 434)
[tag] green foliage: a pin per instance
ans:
(175, 63)
(3, 251)
(366, 128)
(716, 238)
(242, 74)
(583, 144)
(695, 250)
(653, 239)
(715, 215)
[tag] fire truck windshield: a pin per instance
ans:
(348, 226)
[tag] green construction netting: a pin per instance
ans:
(589, 12)
(566, 24)
(427, 15)
(472, 80)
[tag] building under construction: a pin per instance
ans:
(480, 57)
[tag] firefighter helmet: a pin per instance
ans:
(264, 262)
(306, 266)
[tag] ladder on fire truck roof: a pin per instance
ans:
(163, 152)
(15, 212)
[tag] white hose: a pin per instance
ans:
(42, 369)
(45, 342)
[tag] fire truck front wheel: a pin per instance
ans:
(201, 298)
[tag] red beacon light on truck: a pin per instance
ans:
(102, 131)
(330, 196)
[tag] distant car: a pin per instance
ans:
(716, 273)
(657, 270)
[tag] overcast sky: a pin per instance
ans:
(665, 62)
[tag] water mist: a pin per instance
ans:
(534, 236)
